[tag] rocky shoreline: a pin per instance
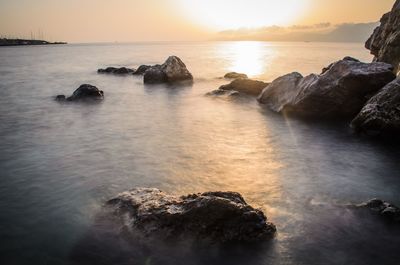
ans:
(367, 94)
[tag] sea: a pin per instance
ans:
(60, 163)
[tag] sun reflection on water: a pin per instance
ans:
(248, 57)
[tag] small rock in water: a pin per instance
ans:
(84, 92)
(117, 71)
(172, 70)
(142, 69)
(234, 75)
(218, 216)
(221, 92)
(245, 86)
(383, 208)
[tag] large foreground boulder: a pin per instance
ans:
(84, 92)
(384, 43)
(340, 91)
(116, 71)
(172, 70)
(245, 86)
(381, 114)
(218, 216)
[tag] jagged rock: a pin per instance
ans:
(117, 71)
(234, 75)
(381, 114)
(384, 43)
(172, 70)
(383, 208)
(142, 69)
(245, 86)
(84, 92)
(219, 216)
(341, 91)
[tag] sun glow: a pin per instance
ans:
(223, 14)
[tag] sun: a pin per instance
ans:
(232, 14)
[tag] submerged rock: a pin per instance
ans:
(340, 91)
(218, 216)
(383, 208)
(221, 92)
(117, 71)
(172, 70)
(84, 92)
(234, 75)
(384, 43)
(381, 114)
(245, 86)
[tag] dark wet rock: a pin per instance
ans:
(154, 75)
(218, 216)
(221, 92)
(383, 208)
(172, 70)
(245, 86)
(117, 71)
(384, 43)
(381, 114)
(84, 92)
(234, 75)
(142, 69)
(341, 91)
(60, 97)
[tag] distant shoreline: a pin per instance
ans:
(25, 42)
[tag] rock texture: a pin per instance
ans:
(218, 216)
(340, 91)
(381, 114)
(84, 92)
(383, 208)
(172, 70)
(117, 71)
(245, 86)
(384, 43)
(142, 69)
(234, 75)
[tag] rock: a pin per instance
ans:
(85, 92)
(142, 69)
(221, 92)
(218, 216)
(117, 71)
(384, 42)
(340, 91)
(60, 97)
(172, 70)
(154, 75)
(245, 86)
(234, 75)
(383, 208)
(381, 114)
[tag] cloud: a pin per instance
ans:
(323, 32)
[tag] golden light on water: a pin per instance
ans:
(248, 57)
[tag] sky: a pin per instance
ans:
(169, 20)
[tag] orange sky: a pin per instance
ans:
(145, 20)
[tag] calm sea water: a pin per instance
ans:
(60, 162)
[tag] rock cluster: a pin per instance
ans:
(216, 216)
(340, 91)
